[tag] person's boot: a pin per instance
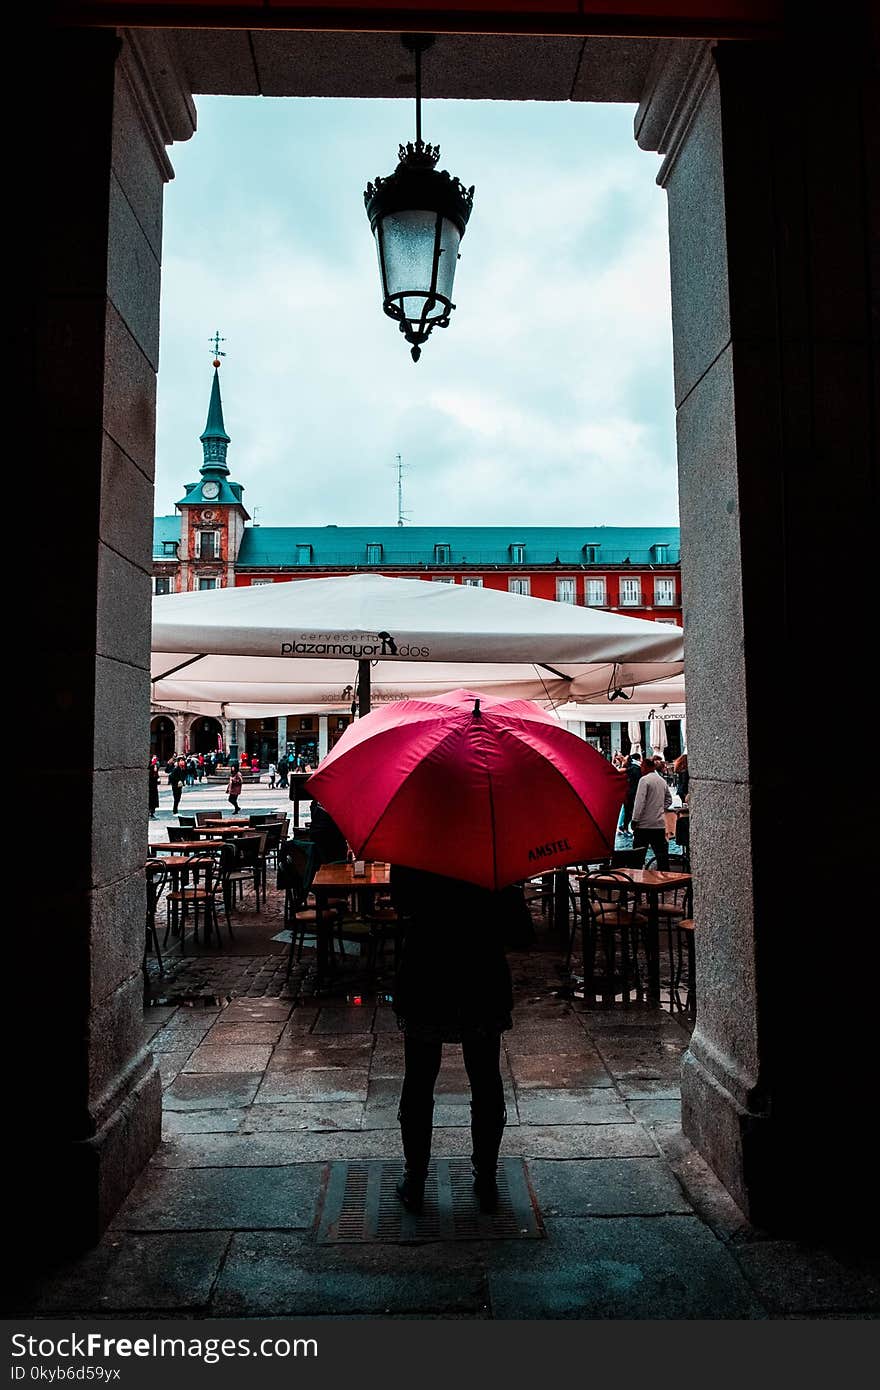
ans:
(486, 1132)
(415, 1136)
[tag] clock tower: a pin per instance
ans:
(213, 514)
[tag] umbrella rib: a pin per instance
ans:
(182, 667)
(491, 806)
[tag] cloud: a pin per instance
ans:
(547, 400)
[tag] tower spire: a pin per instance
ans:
(215, 440)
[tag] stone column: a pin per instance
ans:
(282, 736)
(323, 737)
(771, 170)
(89, 1116)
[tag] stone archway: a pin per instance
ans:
(162, 738)
(205, 735)
(774, 361)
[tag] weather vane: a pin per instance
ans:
(215, 344)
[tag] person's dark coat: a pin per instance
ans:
(176, 777)
(453, 978)
(326, 836)
(154, 789)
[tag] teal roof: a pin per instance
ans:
(230, 493)
(165, 528)
(346, 546)
(215, 428)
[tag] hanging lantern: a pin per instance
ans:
(418, 216)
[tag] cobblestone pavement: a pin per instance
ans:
(266, 1085)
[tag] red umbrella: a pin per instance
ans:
(476, 788)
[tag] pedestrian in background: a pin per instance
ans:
(633, 772)
(176, 781)
(154, 789)
(272, 775)
(233, 787)
(653, 800)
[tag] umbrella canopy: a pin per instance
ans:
(485, 790)
(634, 730)
(299, 643)
(657, 734)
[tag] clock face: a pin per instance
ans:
(210, 489)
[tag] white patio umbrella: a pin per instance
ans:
(634, 730)
(657, 734)
(310, 641)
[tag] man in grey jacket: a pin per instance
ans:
(653, 798)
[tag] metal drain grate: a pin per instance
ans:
(361, 1205)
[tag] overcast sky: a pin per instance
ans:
(549, 398)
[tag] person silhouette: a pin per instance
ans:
(452, 985)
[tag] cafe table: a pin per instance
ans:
(653, 883)
(179, 866)
(339, 881)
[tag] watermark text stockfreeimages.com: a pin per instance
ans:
(28, 1352)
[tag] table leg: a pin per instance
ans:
(652, 948)
(322, 941)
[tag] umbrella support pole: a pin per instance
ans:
(363, 687)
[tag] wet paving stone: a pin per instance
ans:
(656, 1111)
(228, 1058)
(257, 1011)
(597, 1106)
(329, 1050)
(306, 1115)
(237, 1032)
(792, 1278)
(284, 1276)
(556, 1071)
(170, 1064)
(183, 1032)
(322, 1084)
(213, 1199)
(135, 1273)
(176, 1122)
(578, 1141)
(563, 1037)
(620, 1267)
(606, 1187)
(646, 1088)
(212, 1091)
(344, 1020)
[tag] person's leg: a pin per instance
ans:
(661, 849)
(482, 1055)
(416, 1116)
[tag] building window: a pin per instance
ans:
(518, 554)
(565, 591)
(473, 583)
(208, 546)
(664, 591)
(442, 554)
(255, 583)
(207, 583)
(374, 554)
(442, 579)
(591, 554)
(519, 586)
(660, 554)
(162, 586)
(169, 548)
(595, 593)
(303, 554)
(630, 593)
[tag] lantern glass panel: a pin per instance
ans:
(407, 239)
